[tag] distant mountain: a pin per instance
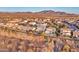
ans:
(54, 12)
(46, 11)
(40, 14)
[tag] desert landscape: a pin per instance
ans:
(43, 31)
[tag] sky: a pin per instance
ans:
(37, 9)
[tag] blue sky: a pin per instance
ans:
(36, 9)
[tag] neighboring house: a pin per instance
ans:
(58, 21)
(76, 34)
(65, 32)
(15, 20)
(32, 23)
(24, 23)
(50, 31)
(11, 24)
(2, 24)
(21, 28)
(41, 27)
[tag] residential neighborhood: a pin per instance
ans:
(37, 32)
